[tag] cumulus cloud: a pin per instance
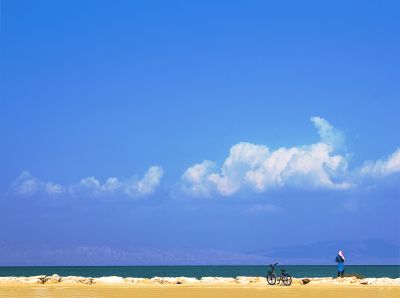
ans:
(147, 184)
(54, 189)
(382, 167)
(247, 168)
(256, 167)
(195, 179)
(328, 134)
(28, 185)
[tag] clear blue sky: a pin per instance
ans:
(105, 89)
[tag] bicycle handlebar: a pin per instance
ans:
(273, 265)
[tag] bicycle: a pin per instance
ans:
(285, 278)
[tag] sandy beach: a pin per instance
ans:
(71, 291)
(114, 286)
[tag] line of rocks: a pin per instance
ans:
(53, 279)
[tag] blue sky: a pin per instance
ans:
(218, 130)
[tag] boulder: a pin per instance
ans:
(40, 279)
(109, 280)
(135, 280)
(164, 280)
(185, 280)
(77, 280)
(53, 279)
(8, 279)
(250, 279)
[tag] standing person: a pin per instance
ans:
(340, 263)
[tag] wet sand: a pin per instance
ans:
(228, 291)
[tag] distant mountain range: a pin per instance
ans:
(371, 251)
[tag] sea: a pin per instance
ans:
(391, 271)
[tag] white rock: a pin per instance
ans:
(31, 279)
(135, 280)
(52, 279)
(109, 280)
(250, 279)
(8, 279)
(77, 280)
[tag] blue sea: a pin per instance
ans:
(392, 271)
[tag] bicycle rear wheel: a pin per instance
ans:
(287, 279)
(271, 279)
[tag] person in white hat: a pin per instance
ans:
(340, 263)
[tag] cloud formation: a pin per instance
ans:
(248, 168)
(328, 134)
(381, 167)
(27, 185)
(258, 168)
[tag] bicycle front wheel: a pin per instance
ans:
(271, 279)
(287, 280)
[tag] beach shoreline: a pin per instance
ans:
(150, 290)
(240, 287)
(182, 280)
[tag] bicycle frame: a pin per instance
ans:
(281, 278)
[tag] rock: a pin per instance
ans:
(53, 279)
(40, 279)
(157, 279)
(185, 280)
(164, 280)
(8, 279)
(77, 280)
(135, 280)
(174, 280)
(109, 280)
(250, 279)
(86, 280)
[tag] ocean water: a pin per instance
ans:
(392, 271)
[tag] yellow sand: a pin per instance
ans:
(228, 291)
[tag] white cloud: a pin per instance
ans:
(247, 168)
(312, 166)
(150, 181)
(111, 184)
(132, 187)
(195, 179)
(28, 185)
(381, 167)
(90, 182)
(54, 189)
(328, 134)
(256, 167)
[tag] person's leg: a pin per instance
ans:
(342, 273)
(338, 274)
